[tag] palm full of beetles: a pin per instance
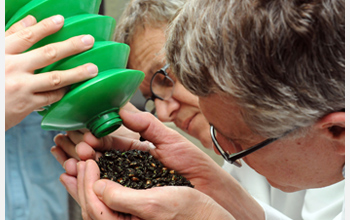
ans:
(138, 170)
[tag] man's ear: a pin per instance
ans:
(333, 127)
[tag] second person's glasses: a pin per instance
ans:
(162, 87)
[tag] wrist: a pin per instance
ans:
(235, 199)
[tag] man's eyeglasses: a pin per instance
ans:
(235, 157)
(162, 87)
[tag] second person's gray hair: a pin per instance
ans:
(139, 13)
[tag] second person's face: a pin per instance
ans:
(147, 55)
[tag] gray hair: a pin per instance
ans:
(282, 61)
(138, 13)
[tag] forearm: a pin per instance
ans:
(234, 198)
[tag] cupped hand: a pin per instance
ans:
(165, 144)
(177, 153)
(26, 91)
(155, 203)
(72, 147)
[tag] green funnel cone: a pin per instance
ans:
(42, 9)
(12, 6)
(95, 103)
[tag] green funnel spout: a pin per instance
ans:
(104, 123)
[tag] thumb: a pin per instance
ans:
(149, 127)
(120, 198)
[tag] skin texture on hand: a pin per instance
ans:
(155, 203)
(213, 185)
(26, 91)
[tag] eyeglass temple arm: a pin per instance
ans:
(165, 67)
(253, 148)
(258, 146)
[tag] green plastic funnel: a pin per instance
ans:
(104, 54)
(42, 9)
(99, 26)
(95, 103)
(11, 7)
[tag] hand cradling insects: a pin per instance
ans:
(138, 170)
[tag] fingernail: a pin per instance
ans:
(27, 21)
(53, 152)
(64, 165)
(99, 188)
(87, 40)
(57, 19)
(57, 136)
(62, 182)
(151, 146)
(93, 70)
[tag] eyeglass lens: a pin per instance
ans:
(162, 86)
